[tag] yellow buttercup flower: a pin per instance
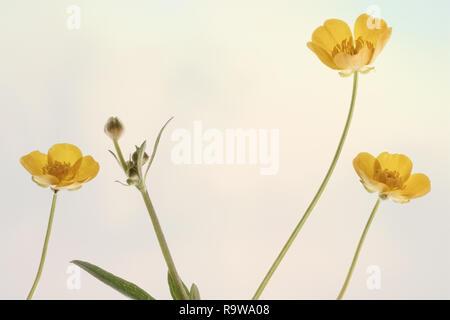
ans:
(64, 167)
(336, 47)
(390, 176)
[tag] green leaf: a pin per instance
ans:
(195, 294)
(115, 157)
(174, 292)
(155, 146)
(140, 154)
(126, 288)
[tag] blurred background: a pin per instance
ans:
(230, 64)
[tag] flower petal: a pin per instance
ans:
(64, 153)
(370, 28)
(382, 40)
(365, 166)
(45, 180)
(396, 162)
(332, 33)
(74, 186)
(322, 54)
(416, 186)
(34, 162)
(88, 170)
(345, 61)
(71, 187)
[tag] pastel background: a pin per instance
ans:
(230, 64)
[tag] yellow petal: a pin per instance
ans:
(74, 169)
(64, 153)
(370, 28)
(74, 187)
(396, 162)
(353, 62)
(322, 54)
(332, 33)
(88, 170)
(365, 165)
(416, 186)
(34, 162)
(382, 40)
(63, 184)
(71, 187)
(45, 180)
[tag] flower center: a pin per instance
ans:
(390, 178)
(57, 169)
(347, 46)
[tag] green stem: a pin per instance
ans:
(120, 155)
(44, 250)
(163, 244)
(358, 249)
(156, 225)
(316, 197)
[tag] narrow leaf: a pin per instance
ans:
(120, 182)
(172, 288)
(126, 288)
(155, 146)
(194, 294)
(140, 156)
(174, 292)
(115, 157)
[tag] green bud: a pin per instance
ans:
(135, 155)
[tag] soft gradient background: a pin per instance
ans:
(230, 64)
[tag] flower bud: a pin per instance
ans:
(134, 157)
(114, 128)
(133, 176)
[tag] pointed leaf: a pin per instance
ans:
(125, 287)
(174, 292)
(194, 293)
(140, 156)
(155, 146)
(115, 157)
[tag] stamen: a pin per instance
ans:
(57, 169)
(390, 178)
(350, 47)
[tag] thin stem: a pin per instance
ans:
(156, 225)
(120, 155)
(44, 250)
(358, 249)
(163, 244)
(316, 197)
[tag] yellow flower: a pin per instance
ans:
(390, 176)
(334, 44)
(63, 168)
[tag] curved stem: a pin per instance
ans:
(163, 244)
(316, 197)
(44, 250)
(358, 249)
